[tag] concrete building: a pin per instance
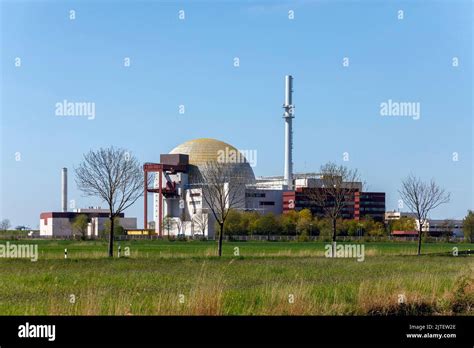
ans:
(179, 207)
(434, 227)
(440, 227)
(179, 204)
(357, 205)
(264, 200)
(396, 215)
(59, 224)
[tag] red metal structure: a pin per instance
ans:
(172, 167)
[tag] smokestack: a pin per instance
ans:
(288, 116)
(64, 189)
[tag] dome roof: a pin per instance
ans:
(202, 150)
(205, 150)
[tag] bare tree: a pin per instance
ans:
(223, 188)
(201, 220)
(422, 198)
(338, 184)
(5, 225)
(115, 176)
(168, 224)
(181, 225)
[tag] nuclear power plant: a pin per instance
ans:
(178, 190)
(179, 207)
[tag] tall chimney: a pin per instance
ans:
(64, 189)
(288, 116)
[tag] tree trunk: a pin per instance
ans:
(419, 240)
(333, 237)
(221, 236)
(111, 237)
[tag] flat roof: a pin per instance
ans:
(71, 214)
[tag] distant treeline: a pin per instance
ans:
(303, 224)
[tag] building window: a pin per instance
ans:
(254, 194)
(266, 203)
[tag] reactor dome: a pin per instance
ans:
(204, 150)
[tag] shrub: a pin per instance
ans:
(463, 301)
(303, 237)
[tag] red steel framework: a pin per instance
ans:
(159, 168)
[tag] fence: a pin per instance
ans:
(339, 238)
(243, 238)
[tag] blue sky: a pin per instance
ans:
(190, 62)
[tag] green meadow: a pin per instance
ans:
(252, 278)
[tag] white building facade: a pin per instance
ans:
(60, 224)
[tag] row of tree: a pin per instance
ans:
(116, 177)
(302, 223)
(5, 225)
(294, 223)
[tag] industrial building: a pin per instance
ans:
(178, 204)
(60, 224)
(432, 227)
(396, 215)
(438, 228)
(179, 207)
(357, 204)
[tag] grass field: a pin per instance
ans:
(268, 278)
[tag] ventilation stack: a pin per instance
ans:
(64, 190)
(288, 116)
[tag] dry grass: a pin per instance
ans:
(279, 281)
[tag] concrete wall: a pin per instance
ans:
(188, 228)
(62, 227)
(56, 227)
(260, 201)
